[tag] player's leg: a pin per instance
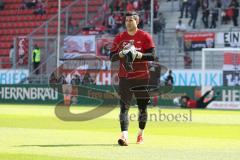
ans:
(200, 101)
(142, 118)
(143, 100)
(205, 104)
(125, 101)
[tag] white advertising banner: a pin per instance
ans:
(9, 76)
(224, 105)
(229, 39)
(193, 77)
(74, 46)
(229, 99)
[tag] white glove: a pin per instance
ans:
(132, 49)
(123, 53)
(177, 101)
(135, 53)
(128, 48)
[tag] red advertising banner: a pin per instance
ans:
(195, 41)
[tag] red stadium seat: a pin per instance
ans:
(5, 62)
(4, 52)
(16, 22)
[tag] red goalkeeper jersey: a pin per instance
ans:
(142, 42)
(191, 103)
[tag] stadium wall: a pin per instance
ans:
(95, 94)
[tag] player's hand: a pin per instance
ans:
(135, 53)
(123, 53)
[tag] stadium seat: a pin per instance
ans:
(4, 52)
(16, 22)
(5, 62)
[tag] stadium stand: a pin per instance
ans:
(168, 47)
(16, 21)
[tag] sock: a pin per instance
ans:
(125, 134)
(140, 132)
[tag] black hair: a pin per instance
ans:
(132, 13)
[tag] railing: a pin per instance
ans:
(43, 33)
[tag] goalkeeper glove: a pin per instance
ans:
(135, 53)
(123, 53)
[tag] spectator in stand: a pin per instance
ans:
(205, 13)
(111, 6)
(194, 6)
(2, 5)
(136, 5)
(169, 80)
(62, 79)
(187, 61)
(87, 79)
(184, 7)
(11, 55)
(75, 80)
(180, 30)
(225, 5)
(155, 8)
(146, 8)
(70, 25)
(119, 21)
(213, 7)
(40, 8)
(23, 5)
(161, 28)
(141, 23)
(30, 4)
(140, 5)
(111, 24)
(129, 7)
(234, 6)
(53, 78)
(119, 5)
(158, 23)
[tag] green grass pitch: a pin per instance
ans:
(35, 133)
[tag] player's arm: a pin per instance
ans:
(115, 50)
(149, 55)
(150, 52)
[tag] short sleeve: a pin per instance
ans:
(148, 42)
(116, 44)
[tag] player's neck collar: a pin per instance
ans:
(132, 33)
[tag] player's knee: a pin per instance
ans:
(123, 116)
(124, 105)
(124, 108)
(142, 103)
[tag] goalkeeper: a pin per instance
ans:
(187, 102)
(133, 48)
